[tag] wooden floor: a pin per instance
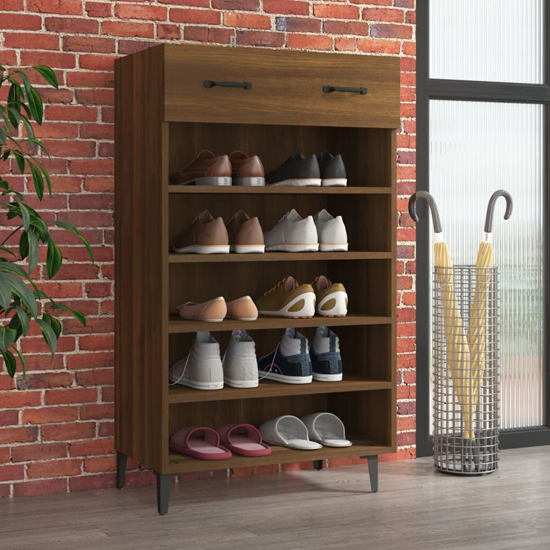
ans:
(416, 509)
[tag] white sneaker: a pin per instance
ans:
(202, 368)
(331, 232)
(292, 234)
(240, 366)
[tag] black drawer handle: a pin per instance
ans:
(330, 89)
(212, 83)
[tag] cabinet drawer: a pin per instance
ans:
(294, 88)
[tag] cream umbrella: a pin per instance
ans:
(478, 312)
(458, 351)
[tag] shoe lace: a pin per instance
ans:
(182, 372)
(271, 364)
(277, 286)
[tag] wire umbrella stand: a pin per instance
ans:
(466, 381)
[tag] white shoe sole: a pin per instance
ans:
(306, 182)
(303, 247)
(339, 309)
(327, 377)
(203, 249)
(241, 383)
(242, 318)
(248, 248)
(334, 182)
(307, 311)
(197, 385)
(333, 247)
(249, 182)
(284, 378)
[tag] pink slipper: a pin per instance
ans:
(247, 444)
(206, 447)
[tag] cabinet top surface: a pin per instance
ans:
(284, 87)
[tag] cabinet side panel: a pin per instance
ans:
(140, 256)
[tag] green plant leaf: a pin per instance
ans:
(48, 334)
(14, 115)
(23, 319)
(15, 323)
(35, 105)
(6, 120)
(53, 259)
(20, 161)
(6, 250)
(48, 75)
(72, 229)
(3, 135)
(47, 177)
(24, 245)
(25, 79)
(7, 337)
(15, 269)
(40, 294)
(25, 216)
(33, 251)
(9, 359)
(28, 127)
(38, 181)
(79, 315)
(18, 288)
(54, 323)
(22, 360)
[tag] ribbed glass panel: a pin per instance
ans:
(487, 40)
(475, 149)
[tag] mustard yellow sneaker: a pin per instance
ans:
(288, 299)
(331, 298)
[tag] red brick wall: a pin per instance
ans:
(56, 425)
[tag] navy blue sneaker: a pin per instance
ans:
(290, 362)
(325, 356)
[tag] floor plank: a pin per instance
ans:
(417, 508)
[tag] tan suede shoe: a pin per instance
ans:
(332, 298)
(245, 234)
(246, 170)
(288, 299)
(213, 311)
(242, 309)
(206, 169)
(206, 235)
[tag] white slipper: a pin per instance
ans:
(327, 429)
(288, 431)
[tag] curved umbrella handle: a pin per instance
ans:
(433, 207)
(491, 208)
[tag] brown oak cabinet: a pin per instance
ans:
(164, 116)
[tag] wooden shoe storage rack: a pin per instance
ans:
(165, 115)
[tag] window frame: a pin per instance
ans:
(467, 90)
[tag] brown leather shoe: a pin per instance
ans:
(246, 170)
(206, 169)
(206, 235)
(245, 234)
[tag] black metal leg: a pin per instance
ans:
(121, 460)
(317, 464)
(373, 472)
(164, 484)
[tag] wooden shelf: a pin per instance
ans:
(269, 388)
(279, 455)
(177, 325)
(243, 190)
(276, 257)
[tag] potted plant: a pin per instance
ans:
(21, 301)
